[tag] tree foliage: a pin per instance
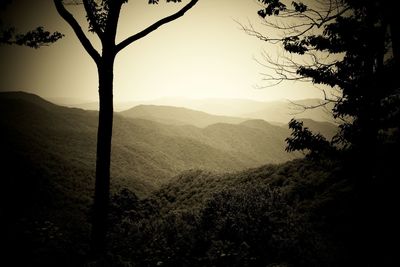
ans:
(353, 47)
(34, 38)
(303, 139)
(268, 216)
(350, 45)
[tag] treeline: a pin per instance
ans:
(296, 214)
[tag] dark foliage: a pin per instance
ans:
(303, 139)
(34, 38)
(364, 34)
(296, 214)
(364, 37)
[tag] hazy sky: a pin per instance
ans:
(201, 55)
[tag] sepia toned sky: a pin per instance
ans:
(204, 54)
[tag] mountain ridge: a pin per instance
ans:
(177, 115)
(145, 153)
(279, 111)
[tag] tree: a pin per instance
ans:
(350, 45)
(103, 19)
(353, 46)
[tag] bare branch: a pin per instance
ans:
(155, 26)
(69, 18)
(299, 25)
(326, 103)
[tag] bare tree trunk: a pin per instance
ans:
(103, 158)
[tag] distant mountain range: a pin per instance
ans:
(178, 116)
(285, 111)
(279, 112)
(182, 116)
(151, 144)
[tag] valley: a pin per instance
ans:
(168, 159)
(151, 144)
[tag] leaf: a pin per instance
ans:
(299, 7)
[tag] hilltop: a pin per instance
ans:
(177, 115)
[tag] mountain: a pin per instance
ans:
(82, 105)
(182, 116)
(48, 155)
(49, 146)
(299, 211)
(219, 106)
(67, 101)
(177, 116)
(277, 112)
(280, 111)
(327, 129)
(87, 104)
(145, 153)
(262, 144)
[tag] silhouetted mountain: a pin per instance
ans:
(177, 115)
(8, 97)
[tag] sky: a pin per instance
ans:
(203, 54)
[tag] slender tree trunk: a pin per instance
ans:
(106, 30)
(104, 135)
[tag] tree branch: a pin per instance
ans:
(77, 29)
(155, 26)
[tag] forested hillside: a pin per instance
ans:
(269, 216)
(145, 153)
(151, 151)
(164, 171)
